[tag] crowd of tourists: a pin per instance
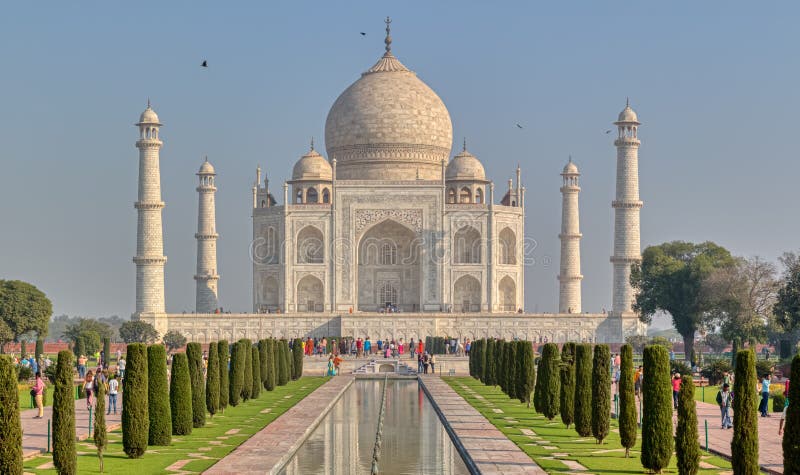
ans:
(386, 348)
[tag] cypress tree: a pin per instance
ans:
(601, 392)
(262, 361)
(476, 351)
(526, 373)
(567, 376)
(500, 363)
(269, 383)
(160, 431)
(627, 400)
(23, 349)
(537, 387)
(791, 430)
(513, 365)
(283, 367)
(222, 356)
(687, 449)
(247, 385)
(583, 389)
(551, 382)
(212, 380)
(106, 351)
(194, 352)
(744, 446)
(180, 395)
(297, 354)
(64, 454)
(78, 349)
(10, 425)
(39, 348)
(236, 378)
(256, 389)
(99, 429)
(488, 376)
(135, 416)
(657, 413)
(470, 360)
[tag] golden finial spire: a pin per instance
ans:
(388, 39)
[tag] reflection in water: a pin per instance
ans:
(414, 440)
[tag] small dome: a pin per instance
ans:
(465, 166)
(628, 115)
(206, 168)
(570, 168)
(149, 116)
(312, 166)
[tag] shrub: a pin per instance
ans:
(482, 360)
(194, 353)
(715, 371)
(23, 349)
(222, 355)
(680, 367)
(489, 378)
(526, 372)
(180, 395)
(236, 373)
(10, 427)
(513, 369)
(687, 449)
(537, 387)
(247, 383)
(567, 377)
(601, 392)
(627, 400)
(262, 361)
(283, 362)
(778, 401)
(212, 380)
(297, 354)
(763, 367)
(24, 373)
(39, 348)
(744, 446)
(657, 414)
(791, 434)
(256, 382)
(135, 416)
(99, 428)
(160, 431)
(269, 383)
(64, 454)
(551, 381)
(106, 351)
(583, 389)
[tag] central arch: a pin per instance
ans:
(310, 294)
(389, 268)
(467, 294)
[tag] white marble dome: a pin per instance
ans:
(628, 115)
(570, 168)
(312, 166)
(388, 125)
(465, 167)
(149, 116)
(206, 168)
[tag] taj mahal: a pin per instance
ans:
(389, 234)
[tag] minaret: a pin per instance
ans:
(150, 257)
(569, 292)
(207, 277)
(627, 250)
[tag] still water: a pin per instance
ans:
(414, 440)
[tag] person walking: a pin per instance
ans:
(419, 363)
(82, 366)
(37, 390)
(676, 387)
(725, 400)
(433, 364)
(412, 347)
(121, 368)
(367, 347)
(637, 383)
(113, 390)
(426, 361)
(88, 388)
(764, 406)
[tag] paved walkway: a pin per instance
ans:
(770, 451)
(34, 431)
(487, 449)
(271, 448)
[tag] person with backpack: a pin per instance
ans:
(113, 390)
(725, 401)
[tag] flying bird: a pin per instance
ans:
(519, 126)
(205, 64)
(608, 131)
(363, 34)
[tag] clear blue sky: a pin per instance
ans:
(715, 85)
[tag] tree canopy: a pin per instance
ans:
(23, 309)
(77, 328)
(137, 331)
(174, 340)
(669, 279)
(787, 302)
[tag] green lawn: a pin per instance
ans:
(203, 447)
(608, 458)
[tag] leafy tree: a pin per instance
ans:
(638, 342)
(670, 278)
(160, 431)
(137, 331)
(551, 382)
(106, 351)
(195, 354)
(489, 376)
(269, 382)
(567, 376)
(791, 434)
(23, 309)
(78, 348)
(212, 379)
(716, 342)
(627, 400)
(687, 449)
(247, 385)
(787, 303)
(135, 413)
(297, 355)
(10, 427)
(583, 389)
(180, 395)
(601, 392)
(256, 380)
(174, 340)
(526, 372)
(99, 429)
(283, 366)
(236, 373)
(65, 457)
(744, 446)
(657, 418)
(222, 355)
(75, 328)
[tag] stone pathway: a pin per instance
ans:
(274, 446)
(770, 451)
(34, 431)
(487, 449)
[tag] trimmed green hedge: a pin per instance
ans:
(657, 441)
(135, 414)
(567, 377)
(236, 373)
(195, 354)
(180, 395)
(224, 383)
(247, 383)
(212, 380)
(65, 457)
(160, 432)
(10, 428)
(256, 383)
(583, 389)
